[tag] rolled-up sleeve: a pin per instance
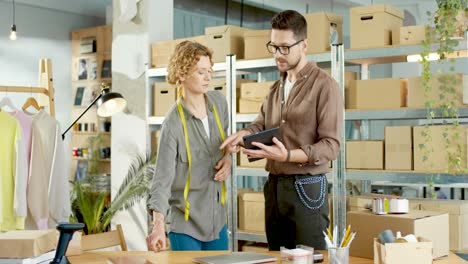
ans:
(329, 125)
(164, 172)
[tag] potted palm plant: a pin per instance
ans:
(95, 210)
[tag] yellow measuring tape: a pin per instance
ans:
(189, 158)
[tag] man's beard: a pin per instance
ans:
(290, 67)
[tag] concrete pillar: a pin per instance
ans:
(130, 57)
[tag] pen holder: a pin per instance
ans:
(338, 255)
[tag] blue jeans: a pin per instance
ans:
(181, 242)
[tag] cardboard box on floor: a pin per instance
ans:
(397, 253)
(398, 148)
(27, 243)
(417, 99)
(387, 93)
(224, 40)
(433, 226)
(161, 51)
(458, 218)
(371, 26)
(255, 44)
(368, 154)
(252, 211)
(318, 30)
(439, 156)
(164, 95)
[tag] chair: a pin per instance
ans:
(104, 240)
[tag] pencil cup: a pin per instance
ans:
(338, 255)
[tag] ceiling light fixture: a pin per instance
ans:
(13, 27)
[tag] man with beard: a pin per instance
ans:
(307, 105)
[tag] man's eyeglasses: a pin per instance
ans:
(282, 49)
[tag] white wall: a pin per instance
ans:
(42, 33)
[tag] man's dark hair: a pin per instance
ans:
(290, 20)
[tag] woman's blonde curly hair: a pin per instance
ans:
(186, 55)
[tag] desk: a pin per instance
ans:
(185, 257)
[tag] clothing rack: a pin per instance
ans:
(45, 87)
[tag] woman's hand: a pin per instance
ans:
(156, 241)
(224, 168)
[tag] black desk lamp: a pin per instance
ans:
(108, 103)
(66, 234)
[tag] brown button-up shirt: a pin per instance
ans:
(311, 119)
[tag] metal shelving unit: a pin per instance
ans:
(362, 58)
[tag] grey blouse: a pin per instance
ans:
(207, 214)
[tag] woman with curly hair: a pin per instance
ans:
(191, 170)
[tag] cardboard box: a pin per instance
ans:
(368, 154)
(161, 51)
(433, 226)
(387, 93)
(396, 253)
(224, 40)
(249, 106)
(164, 98)
(26, 243)
(244, 162)
(259, 248)
(257, 90)
(371, 26)
(417, 97)
(255, 44)
(218, 84)
(155, 135)
(364, 202)
(458, 218)
(349, 82)
(252, 211)
(398, 148)
(319, 26)
(439, 157)
(411, 35)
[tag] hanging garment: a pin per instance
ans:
(26, 123)
(13, 174)
(48, 189)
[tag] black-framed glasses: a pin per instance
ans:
(282, 49)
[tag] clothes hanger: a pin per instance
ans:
(6, 101)
(31, 101)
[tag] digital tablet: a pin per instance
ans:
(265, 137)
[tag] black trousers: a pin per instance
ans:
(295, 211)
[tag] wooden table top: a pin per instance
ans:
(184, 257)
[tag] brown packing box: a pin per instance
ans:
(397, 253)
(154, 141)
(318, 30)
(371, 26)
(252, 211)
(27, 243)
(433, 226)
(458, 218)
(164, 98)
(257, 90)
(439, 156)
(161, 51)
(365, 154)
(244, 162)
(417, 98)
(410, 35)
(249, 106)
(224, 40)
(398, 148)
(387, 93)
(218, 84)
(255, 44)
(349, 82)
